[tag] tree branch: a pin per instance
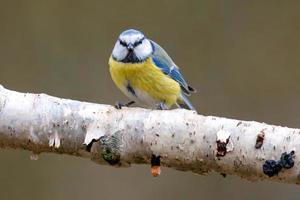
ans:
(183, 139)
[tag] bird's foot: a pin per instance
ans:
(162, 106)
(119, 104)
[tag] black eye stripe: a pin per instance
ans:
(138, 42)
(122, 43)
(135, 44)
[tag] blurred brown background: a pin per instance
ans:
(242, 56)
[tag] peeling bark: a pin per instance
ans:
(181, 139)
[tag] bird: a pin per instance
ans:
(146, 74)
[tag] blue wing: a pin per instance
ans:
(163, 61)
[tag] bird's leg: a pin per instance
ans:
(119, 104)
(162, 106)
(155, 165)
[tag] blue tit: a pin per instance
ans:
(146, 74)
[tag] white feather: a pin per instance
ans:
(119, 51)
(131, 38)
(141, 97)
(142, 51)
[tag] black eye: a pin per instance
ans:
(138, 42)
(122, 43)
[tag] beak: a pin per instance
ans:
(130, 47)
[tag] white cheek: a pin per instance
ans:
(119, 52)
(143, 50)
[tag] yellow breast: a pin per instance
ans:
(145, 77)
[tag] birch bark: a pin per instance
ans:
(183, 139)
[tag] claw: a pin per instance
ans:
(119, 104)
(129, 103)
(162, 106)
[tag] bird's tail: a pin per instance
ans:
(184, 102)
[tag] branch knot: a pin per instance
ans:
(110, 148)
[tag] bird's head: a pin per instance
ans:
(132, 47)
